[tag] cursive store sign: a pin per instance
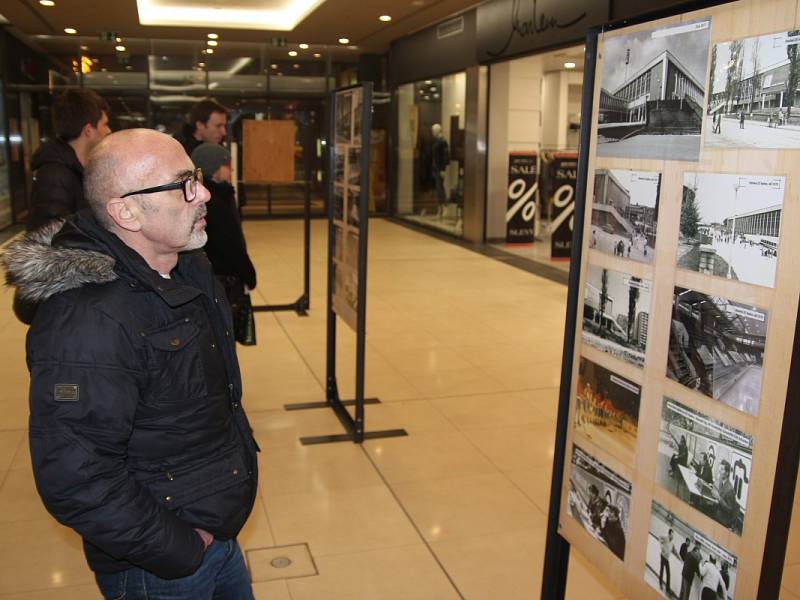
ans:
(509, 27)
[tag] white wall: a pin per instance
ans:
(405, 150)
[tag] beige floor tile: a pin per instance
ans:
(462, 507)
(74, 592)
(407, 573)
(340, 521)
(505, 565)
(535, 484)
(276, 428)
(415, 416)
(545, 374)
(515, 448)
(427, 456)
(584, 581)
(10, 442)
(23, 458)
(455, 382)
(791, 578)
(256, 532)
(491, 410)
(271, 590)
(787, 595)
(19, 500)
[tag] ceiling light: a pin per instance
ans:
(428, 82)
(47, 2)
(385, 18)
(118, 40)
(213, 36)
(292, 52)
(268, 16)
(303, 46)
(317, 55)
(128, 67)
(274, 66)
(70, 30)
(344, 40)
(119, 48)
(212, 42)
(209, 51)
(84, 48)
(201, 64)
(569, 65)
(295, 66)
(434, 88)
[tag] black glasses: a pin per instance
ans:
(189, 185)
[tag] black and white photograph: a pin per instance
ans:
(750, 104)
(354, 166)
(607, 409)
(338, 243)
(356, 110)
(730, 226)
(599, 500)
(351, 250)
(338, 165)
(345, 293)
(681, 560)
(705, 463)
(716, 346)
(338, 203)
(344, 103)
(353, 209)
(616, 310)
(625, 213)
(653, 91)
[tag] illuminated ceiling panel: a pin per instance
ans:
(275, 15)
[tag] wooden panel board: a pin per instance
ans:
(743, 19)
(269, 151)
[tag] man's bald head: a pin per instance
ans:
(124, 161)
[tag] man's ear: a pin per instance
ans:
(125, 216)
(87, 130)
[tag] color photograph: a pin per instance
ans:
(716, 346)
(653, 92)
(705, 463)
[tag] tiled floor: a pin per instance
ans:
(464, 353)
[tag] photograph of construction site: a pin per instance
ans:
(705, 463)
(607, 409)
(599, 499)
(730, 225)
(753, 100)
(653, 92)
(716, 346)
(625, 213)
(616, 310)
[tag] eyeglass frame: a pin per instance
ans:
(196, 178)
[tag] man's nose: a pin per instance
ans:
(202, 193)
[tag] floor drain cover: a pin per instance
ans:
(281, 562)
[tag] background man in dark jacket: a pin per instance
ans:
(138, 440)
(80, 121)
(207, 122)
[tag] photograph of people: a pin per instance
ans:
(750, 105)
(699, 570)
(653, 92)
(344, 103)
(705, 463)
(730, 225)
(716, 347)
(625, 213)
(599, 500)
(616, 310)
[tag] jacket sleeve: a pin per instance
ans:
(85, 388)
(53, 194)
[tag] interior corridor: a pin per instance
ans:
(463, 351)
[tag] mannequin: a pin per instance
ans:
(440, 160)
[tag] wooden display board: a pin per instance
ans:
(684, 309)
(269, 151)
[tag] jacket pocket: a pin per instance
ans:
(176, 366)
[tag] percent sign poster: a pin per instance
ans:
(565, 174)
(522, 187)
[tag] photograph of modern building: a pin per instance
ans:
(616, 309)
(716, 347)
(672, 541)
(652, 93)
(625, 213)
(599, 500)
(753, 97)
(730, 225)
(705, 463)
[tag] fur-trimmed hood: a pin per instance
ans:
(40, 270)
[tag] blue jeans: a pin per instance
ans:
(222, 576)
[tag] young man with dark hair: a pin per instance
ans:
(80, 122)
(207, 122)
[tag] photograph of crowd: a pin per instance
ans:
(652, 92)
(750, 104)
(338, 203)
(716, 346)
(616, 310)
(607, 409)
(344, 105)
(599, 500)
(683, 564)
(625, 213)
(730, 225)
(705, 463)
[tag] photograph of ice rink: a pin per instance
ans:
(625, 213)
(599, 500)
(668, 553)
(616, 311)
(716, 346)
(653, 92)
(730, 225)
(705, 463)
(749, 104)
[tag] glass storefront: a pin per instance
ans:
(430, 152)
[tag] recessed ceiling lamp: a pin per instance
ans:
(84, 48)
(303, 46)
(128, 67)
(47, 2)
(213, 36)
(118, 40)
(295, 66)
(344, 40)
(119, 48)
(201, 64)
(274, 66)
(209, 51)
(285, 15)
(569, 65)
(292, 52)
(317, 55)
(385, 18)
(70, 30)
(212, 43)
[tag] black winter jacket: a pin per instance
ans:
(226, 248)
(57, 183)
(137, 435)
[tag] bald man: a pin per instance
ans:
(138, 439)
